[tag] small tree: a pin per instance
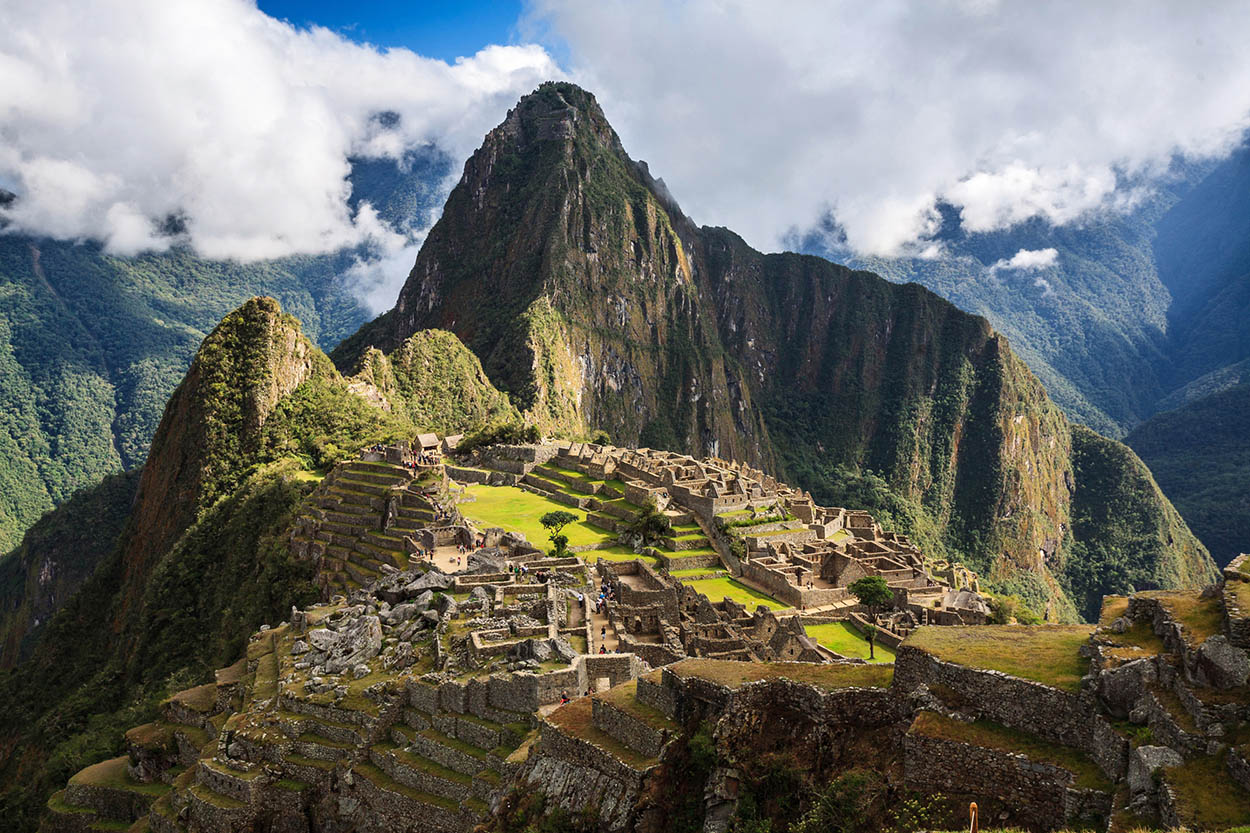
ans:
(872, 592)
(651, 525)
(554, 522)
(870, 633)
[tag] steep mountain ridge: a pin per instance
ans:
(203, 557)
(596, 304)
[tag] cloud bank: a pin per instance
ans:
(767, 116)
(116, 115)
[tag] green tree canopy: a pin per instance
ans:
(554, 522)
(872, 592)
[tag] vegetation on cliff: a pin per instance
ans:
(203, 558)
(1200, 454)
(55, 557)
(92, 345)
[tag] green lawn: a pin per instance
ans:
(720, 588)
(843, 639)
(1049, 654)
(576, 475)
(517, 510)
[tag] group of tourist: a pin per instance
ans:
(521, 571)
(606, 594)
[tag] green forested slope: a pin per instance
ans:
(1200, 454)
(203, 558)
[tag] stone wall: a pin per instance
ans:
(1239, 767)
(1236, 620)
(883, 637)
(619, 668)
(463, 475)
(1041, 796)
(629, 730)
(653, 692)
(1057, 716)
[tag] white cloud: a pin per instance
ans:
(762, 116)
(1027, 260)
(117, 114)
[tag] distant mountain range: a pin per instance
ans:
(91, 345)
(1140, 312)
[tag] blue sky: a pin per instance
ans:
(434, 28)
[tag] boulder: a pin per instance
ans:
(487, 561)
(1143, 762)
(1222, 665)
(359, 642)
(399, 614)
(480, 592)
(433, 580)
(538, 650)
(1121, 687)
(401, 656)
(565, 650)
(300, 647)
(323, 639)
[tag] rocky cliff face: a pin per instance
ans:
(212, 426)
(595, 303)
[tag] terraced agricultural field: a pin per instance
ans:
(1048, 654)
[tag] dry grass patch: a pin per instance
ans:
(1047, 654)
(112, 773)
(992, 736)
(1240, 591)
(826, 676)
(201, 699)
(1199, 617)
(1113, 607)
(576, 719)
(625, 698)
(1206, 798)
(1138, 642)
